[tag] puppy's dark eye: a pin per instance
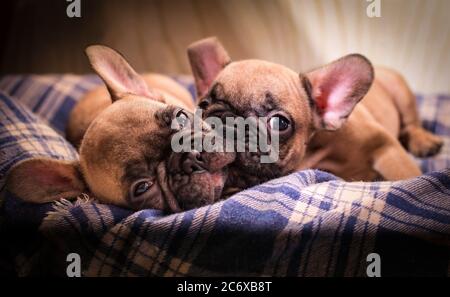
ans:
(279, 123)
(141, 187)
(182, 120)
(204, 103)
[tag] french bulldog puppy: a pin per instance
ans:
(126, 156)
(316, 115)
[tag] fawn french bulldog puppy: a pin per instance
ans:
(125, 155)
(319, 123)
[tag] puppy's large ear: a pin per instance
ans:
(118, 75)
(44, 180)
(207, 58)
(334, 89)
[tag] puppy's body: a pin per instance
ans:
(326, 128)
(98, 99)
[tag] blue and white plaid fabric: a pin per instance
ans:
(23, 135)
(309, 223)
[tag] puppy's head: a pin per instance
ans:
(126, 156)
(295, 105)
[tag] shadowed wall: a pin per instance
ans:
(411, 35)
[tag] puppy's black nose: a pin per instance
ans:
(192, 162)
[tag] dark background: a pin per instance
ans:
(412, 36)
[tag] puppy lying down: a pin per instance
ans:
(316, 115)
(125, 155)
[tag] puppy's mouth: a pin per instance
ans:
(191, 180)
(187, 163)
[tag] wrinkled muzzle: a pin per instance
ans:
(194, 176)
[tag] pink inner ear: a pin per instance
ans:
(337, 87)
(321, 99)
(335, 90)
(117, 74)
(335, 102)
(126, 81)
(48, 176)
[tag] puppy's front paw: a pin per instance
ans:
(420, 142)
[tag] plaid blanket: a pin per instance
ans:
(309, 223)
